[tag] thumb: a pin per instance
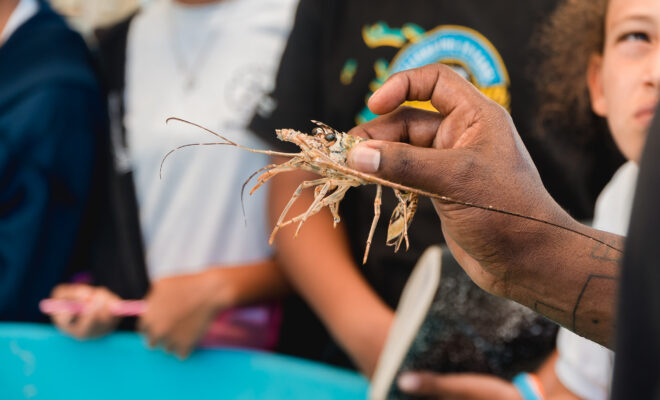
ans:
(430, 169)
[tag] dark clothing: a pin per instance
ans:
(51, 114)
(118, 261)
(340, 52)
(637, 363)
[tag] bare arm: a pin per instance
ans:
(320, 267)
(571, 280)
(471, 386)
(246, 284)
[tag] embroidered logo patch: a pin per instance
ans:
(465, 50)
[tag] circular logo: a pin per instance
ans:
(465, 50)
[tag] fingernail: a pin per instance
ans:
(364, 158)
(408, 382)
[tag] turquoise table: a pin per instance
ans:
(37, 362)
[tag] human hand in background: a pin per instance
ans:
(457, 386)
(95, 320)
(179, 310)
(471, 386)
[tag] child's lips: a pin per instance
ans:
(646, 114)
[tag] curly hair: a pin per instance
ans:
(574, 32)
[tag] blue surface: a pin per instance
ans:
(37, 362)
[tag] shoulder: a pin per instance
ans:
(45, 28)
(44, 52)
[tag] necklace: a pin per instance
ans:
(190, 71)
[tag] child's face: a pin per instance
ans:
(624, 80)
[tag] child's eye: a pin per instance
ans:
(634, 37)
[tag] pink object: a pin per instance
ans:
(255, 327)
(125, 308)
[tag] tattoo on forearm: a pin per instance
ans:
(594, 284)
(606, 252)
(543, 308)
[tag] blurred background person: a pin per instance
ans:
(339, 53)
(51, 115)
(181, 241)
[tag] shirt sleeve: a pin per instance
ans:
(583, 367)
(46, 157)
(297, 96)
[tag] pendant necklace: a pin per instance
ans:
(189, 71)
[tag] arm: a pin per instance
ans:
(180, 308)
(577, 287)
(470, 151)
(468, 386)
(247, 284)
(332, 285)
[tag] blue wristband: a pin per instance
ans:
(528, 386)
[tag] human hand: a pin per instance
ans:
(95, 320)
(469, 151)
(457, 386)
(179, 310)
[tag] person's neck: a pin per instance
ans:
(196, 2)
(7, 7)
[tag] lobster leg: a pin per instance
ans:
(377, 202)
(330, 201)
(293, 199)
(278, 168)
(318, 196)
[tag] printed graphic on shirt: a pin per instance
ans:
(348, 71)
(465, 50)
(246, 90)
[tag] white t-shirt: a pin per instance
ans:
(208, 64)
(585, 367)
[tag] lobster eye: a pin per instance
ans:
(317, 131)
(330, 137)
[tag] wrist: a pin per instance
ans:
(219, 292)
(537, 249)
(528, 386)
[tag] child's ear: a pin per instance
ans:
(595, 84)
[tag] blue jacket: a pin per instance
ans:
(51, 112)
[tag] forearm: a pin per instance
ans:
(331, 284)
(570, 278)
(245, 284)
